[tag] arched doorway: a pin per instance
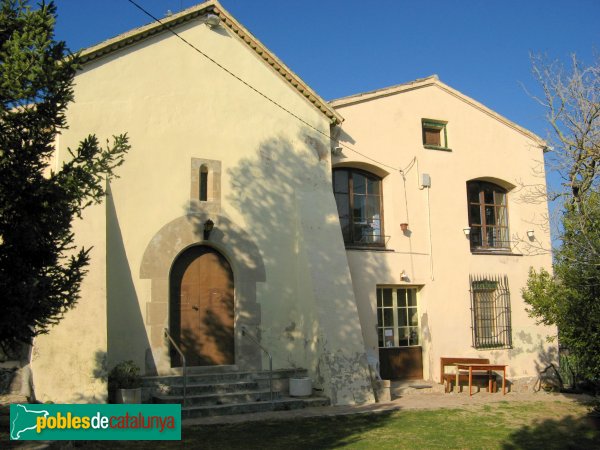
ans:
(202, 308)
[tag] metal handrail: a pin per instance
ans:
(168, 335)
(253, 339)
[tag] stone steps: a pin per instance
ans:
(194, 377)
(219, 398)
(212, 388)
(281, 404)
(223, 392)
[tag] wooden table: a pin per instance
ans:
(482, 367)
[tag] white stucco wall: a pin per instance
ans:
(69, 363)
(436, 255)
(275, 190)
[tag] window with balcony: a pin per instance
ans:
(359, 203)
(488, 217)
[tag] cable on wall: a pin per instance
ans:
(247, 84)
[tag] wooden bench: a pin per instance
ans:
(447, 379)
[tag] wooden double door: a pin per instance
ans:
(202, 308)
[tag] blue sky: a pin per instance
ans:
(342, 47)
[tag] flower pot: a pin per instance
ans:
(300, 387)
(133, 395)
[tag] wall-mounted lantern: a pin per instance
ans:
(467, 232)
(531, 235)
(337, 151)
(208, 227)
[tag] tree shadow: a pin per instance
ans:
(99, 372)
(284, 195)
(315, 433)
(200, 350)
(567, 433)
(547, 367)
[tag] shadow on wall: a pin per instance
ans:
(285, 195)
(100, 372)
(263, 188)
(127, 337)
(547, 367)
(426, 334)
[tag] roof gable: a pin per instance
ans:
(433, 80)
(214, 7)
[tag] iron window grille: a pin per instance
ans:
(490, 311)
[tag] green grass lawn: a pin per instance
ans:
(539, 425)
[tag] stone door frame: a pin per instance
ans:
(237, 246)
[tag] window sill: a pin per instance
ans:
(494, 252)
(368, 249)
(435, 147)
(495, 347)
(399, 346)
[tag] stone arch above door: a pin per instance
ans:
(237, 246)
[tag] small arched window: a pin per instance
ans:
(358, 197)
(203, 183)
(488, 218)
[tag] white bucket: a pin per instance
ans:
(300, 387)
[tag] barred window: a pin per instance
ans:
(490, 312)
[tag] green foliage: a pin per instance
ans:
(546, 298)
(41, 269)
(125, 375)
(570, 299)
